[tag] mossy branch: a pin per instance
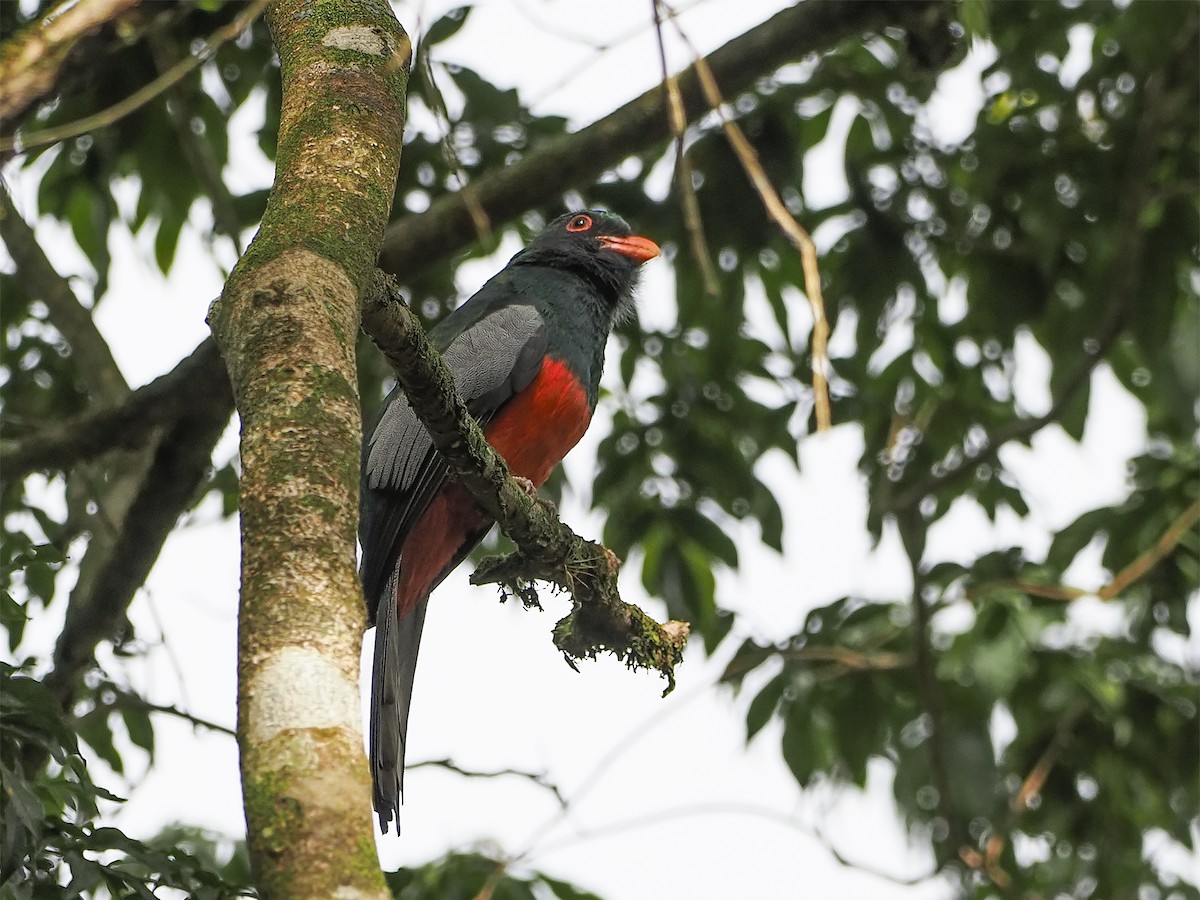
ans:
(547, 549)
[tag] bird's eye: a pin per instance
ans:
(580, 223)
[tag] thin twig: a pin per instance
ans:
(1119, 583)
(125, 700)
(615, 752)
(1148, 560)
(198, 151)
(725, 809)
(988, 862)
(683, 165)
(479, 218)
(849, 658)
(489, 887)
(778, 211)
(538, 778)
(22, 143)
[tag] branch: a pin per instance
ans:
(988, 861)
(286, 324)
(849, 658)
(22, 143)
(690, 204)
(538, 778)
(543, 174)
(1152, 557)
(89, 350)
(929, 693)
(797, 236)
(1116, 585)
(547, 549)
(722, 809)
(32, 62)
(178, 465)
(129, 700)
(126, 425)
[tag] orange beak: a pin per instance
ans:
(639, 249)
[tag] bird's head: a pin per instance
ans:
(597, 245)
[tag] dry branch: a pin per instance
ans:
(778, 213)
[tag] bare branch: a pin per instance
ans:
(125, 425)
(538, 778)
(547, 549)
(683, 164)
(1152, 557)
(130, 700)
(725, 809)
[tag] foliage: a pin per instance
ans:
(53, 842)
(1064, 226)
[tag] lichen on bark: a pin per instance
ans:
(286, 324)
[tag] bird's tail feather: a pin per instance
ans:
(396, 642)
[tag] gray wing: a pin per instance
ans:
(498, 356)
(492, 360)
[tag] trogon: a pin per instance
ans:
(526, 352)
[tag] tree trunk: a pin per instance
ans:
(286, 324)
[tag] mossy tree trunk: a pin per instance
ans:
(286, 324)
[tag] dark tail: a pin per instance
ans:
(396, 644)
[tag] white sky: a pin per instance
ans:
(675, 804)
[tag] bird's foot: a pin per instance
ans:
(531, 491)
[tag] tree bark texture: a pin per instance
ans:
(286, 324)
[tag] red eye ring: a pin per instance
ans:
(580, 223)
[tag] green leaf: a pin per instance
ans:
(447, 26)
(166, 239)
(565, 891)
(763, 706)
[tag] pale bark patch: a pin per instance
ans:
(360, 38)
(298, 688)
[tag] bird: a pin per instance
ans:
(526, 351)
